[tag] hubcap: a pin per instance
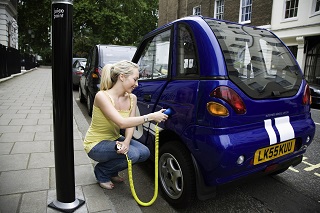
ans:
(80, 94)
(88, 102)
(171, 176)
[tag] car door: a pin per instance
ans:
(154, 68)
(83, 79)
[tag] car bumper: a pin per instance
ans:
(75, 80)
(217, 154)
(315, 100)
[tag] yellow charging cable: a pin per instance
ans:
(155, 171)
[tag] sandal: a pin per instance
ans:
(107, 185)
(117, 179)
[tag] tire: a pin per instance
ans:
(89, 104)
(176, 174)
(75, 86)
(81, 96)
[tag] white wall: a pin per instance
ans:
(8, 23)
(293, 31)
(3, 27)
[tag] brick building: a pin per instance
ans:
(295, 22)
(170, 10)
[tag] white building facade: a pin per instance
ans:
(297, 24)
(8, 23)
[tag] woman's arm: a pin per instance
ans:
(129, 131)
(109, 111)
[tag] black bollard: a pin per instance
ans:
(62, 11)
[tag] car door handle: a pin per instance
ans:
(147, 97)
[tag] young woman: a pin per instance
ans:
(114, 108)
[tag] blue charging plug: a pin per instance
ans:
(168, 111)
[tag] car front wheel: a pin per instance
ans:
(176, 174)
(81, 96)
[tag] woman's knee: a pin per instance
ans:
(144, 154)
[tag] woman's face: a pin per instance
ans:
(131, 81)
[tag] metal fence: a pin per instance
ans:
(11, 61)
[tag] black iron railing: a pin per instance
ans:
(11, 61)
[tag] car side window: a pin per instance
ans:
(74, 64)
(187, 57)
(154, 61)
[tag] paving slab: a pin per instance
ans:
(36, 128)
(15, 137)
(80, 158)
(30, 147)
(97, 200)
(13, 162)
(9, 203)
(6, 129)
(5, 148)
(84, 175)
(43, 136)
(41, 160)
(34, 202)
(24, 121)
(13, 182)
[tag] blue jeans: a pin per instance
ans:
(110, 162)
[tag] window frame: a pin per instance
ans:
(313, 8)
(144, 45)
(194, 10)
(241, 9)
(293, 18)
(218, 15)
(176, 74)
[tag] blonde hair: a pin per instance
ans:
(111, 72)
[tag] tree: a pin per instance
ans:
(94, 21)
(34, 27)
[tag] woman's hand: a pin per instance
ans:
(159, 116)
(124, 149)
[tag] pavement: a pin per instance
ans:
(27, 167)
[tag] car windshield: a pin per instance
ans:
(257, 61)
(113, 54)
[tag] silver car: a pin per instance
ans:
(77, 70)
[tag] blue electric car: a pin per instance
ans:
(240, 105)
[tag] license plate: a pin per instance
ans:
(274, 151)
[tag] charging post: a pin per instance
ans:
(62, 34)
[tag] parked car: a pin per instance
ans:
(240, 105)
(74, 59)
(315, 94)
(99, 56)
(77, 71)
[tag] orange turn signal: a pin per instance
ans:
(217, 109)
(93, 75)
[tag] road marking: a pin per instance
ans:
(293, 169)
(311, 167)
(317, 123)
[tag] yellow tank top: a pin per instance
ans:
(102, 128)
